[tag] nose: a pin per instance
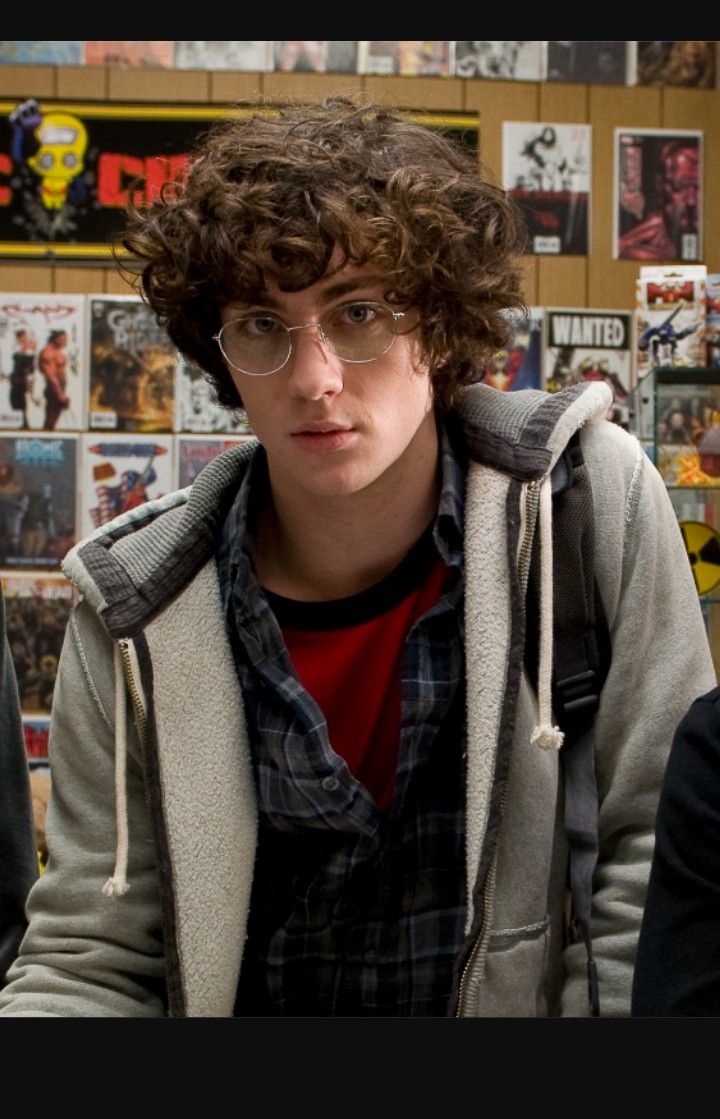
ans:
(314, 370)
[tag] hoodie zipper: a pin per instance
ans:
(476, 960)
(133, 689)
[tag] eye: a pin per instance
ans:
(255, 326)
(357, 314)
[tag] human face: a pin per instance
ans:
(332, 428)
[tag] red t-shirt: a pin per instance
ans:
(348, 655)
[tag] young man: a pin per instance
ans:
(299, 768)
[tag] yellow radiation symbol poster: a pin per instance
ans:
(702, 544)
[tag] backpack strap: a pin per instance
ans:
(581, 661)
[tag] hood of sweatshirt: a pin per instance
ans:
(129, 569)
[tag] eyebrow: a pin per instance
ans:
(333, 291)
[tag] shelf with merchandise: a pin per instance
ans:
(676, 413)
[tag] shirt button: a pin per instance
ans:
(329, 784)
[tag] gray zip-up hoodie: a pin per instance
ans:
(152, 823)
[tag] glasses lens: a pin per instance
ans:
(256, 344)
(359, 331)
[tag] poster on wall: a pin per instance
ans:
(546, 170)
(42, 361)
(316, 56)
(678, 62)
(513, 60)
(657, 195)
(590, 344)
(38, 511)
(518, 366)
(120, 472)
(37, 609)
(69, 169)
(409, 57)
(602, 62)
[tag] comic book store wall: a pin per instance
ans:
(609, 147)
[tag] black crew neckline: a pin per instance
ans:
(356, 609)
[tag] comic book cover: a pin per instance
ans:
(520, 365)
(42, 361)
(601, 63)
(590, 344)
(127, 52)
(217, 55)
(197, 408)
(132, 367)
(37, 608)
(319, 56)
(688, 433)
(712, 324)
(682, 62)
(515, 61)
(546, 170)
(38, 507)
(657, 208)
(671, 314)
(36, 733)
(195, 451)
(407, 57)
(42, 52)
(120, 472)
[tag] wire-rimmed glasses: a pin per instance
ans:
(259, 343)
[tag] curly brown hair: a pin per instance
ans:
(272, 194)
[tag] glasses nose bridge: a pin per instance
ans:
(317, 323)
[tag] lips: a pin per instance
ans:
(323, 437)
(320, 427)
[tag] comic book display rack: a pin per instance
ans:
(98, 414)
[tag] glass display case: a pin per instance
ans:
(676, 416)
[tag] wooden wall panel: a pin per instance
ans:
(78, 279)
(228, 87)
(82, 83)
(28, 81)
(415, 93)
(562, 281)
(563, 103)
(611, 283)
(18, 276)
(116, 283)
(158, 85)
(280, 87)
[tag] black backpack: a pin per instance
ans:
(581, 661)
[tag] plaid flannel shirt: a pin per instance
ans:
(353, 911)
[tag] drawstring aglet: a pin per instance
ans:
(115, 888)
(547, 737)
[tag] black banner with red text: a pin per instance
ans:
(69, 169)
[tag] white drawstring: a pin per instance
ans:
(545, 734)
(118, 884)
